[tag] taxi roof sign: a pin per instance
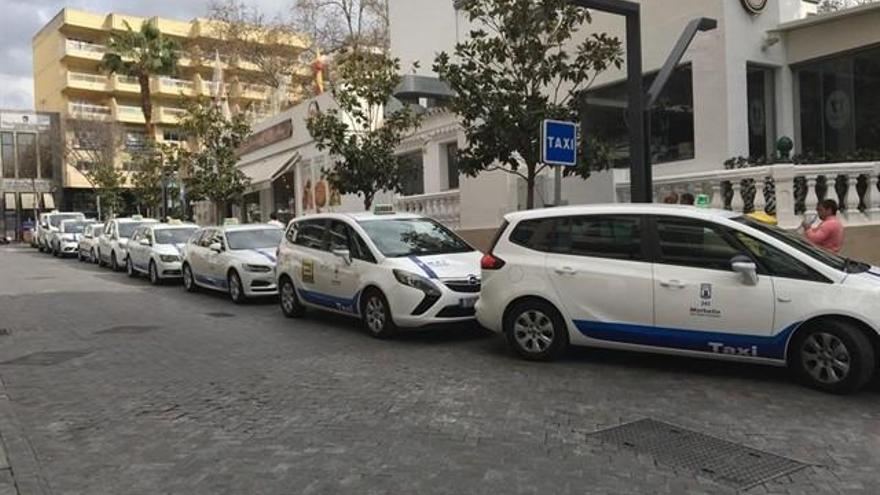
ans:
(137, 217)
(702, 201)
(383, 210)
(230, 221)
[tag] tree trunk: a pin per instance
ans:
(147, 105)
(368, 201)
(530, 187)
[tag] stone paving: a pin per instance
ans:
(163, 398)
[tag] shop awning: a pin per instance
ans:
(267, 169)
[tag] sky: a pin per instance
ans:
(21, 19)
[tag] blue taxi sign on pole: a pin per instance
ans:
(559, 143)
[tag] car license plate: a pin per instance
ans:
(468, 303)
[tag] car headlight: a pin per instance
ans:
(169, 258)
(416, 282)
(258, 268)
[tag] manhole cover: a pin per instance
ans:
(128, 330)
(220, 315)
(725, 462)
(47, 358)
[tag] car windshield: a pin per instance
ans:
(413, 236)
(55, 220)
(127, 228)
(797, 242)
(173, 236)
(75, 227)
(254, 239)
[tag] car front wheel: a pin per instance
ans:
(290, 303)
(376, 315)
(154, 274)
(833, 356)
(236, 290)
(536, 330)
(189, 282)
(129, 267)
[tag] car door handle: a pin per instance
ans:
(672, 284)
(566, 270)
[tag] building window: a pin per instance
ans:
(9, 200)
(672, 118)
(28, 201)
(172, 135)
(414, 169)
(135, 141)
(452, 170)
(26, 144)
(761, 110)
(84, 166)
(7, 155)
(47, 157)
(48, 201)
(839, 104)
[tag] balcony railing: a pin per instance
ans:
(89, 110)
(130, 113)
(93, 49)
(785, 190)
(445, 207)
(85, 80)
(176, 85)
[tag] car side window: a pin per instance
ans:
(311, 234)
(136, 236)
(601, 236)
(695, 244)
(205, 239)
(537, 234)
(776, 262)
(342, 236)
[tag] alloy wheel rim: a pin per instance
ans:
(287, 298)
(235, 287)
(826, 358)
(154, 276)
(375, 315)
(533, 331)
(129, 267)
(187, 277)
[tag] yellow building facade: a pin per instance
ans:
(68, 78)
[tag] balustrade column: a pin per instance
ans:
(760, 200)
(872, 197)
(736, 203)
(717, 196)
(812, 199)
(852, 196)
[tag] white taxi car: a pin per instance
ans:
(391, 270)
(113, 242)
(684, 281)
(237, 259)
(65, 241)
(49, 224)
(88, 243)
(156, 249)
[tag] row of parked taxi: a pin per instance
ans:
(675, 280)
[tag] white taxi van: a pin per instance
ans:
(681, 280)
(236, 259)
(391, 270)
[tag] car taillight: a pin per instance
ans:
(491, 262)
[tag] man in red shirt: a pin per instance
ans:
(829, 233)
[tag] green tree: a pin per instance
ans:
(210, 166)
(142, 54)
(827, 6)
(363, 134)
(92, 148)
(154, 167)
(520, 65)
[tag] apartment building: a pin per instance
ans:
(68, 80)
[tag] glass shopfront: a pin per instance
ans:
(839, 104)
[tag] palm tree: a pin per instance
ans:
(141, 54)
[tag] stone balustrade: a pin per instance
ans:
(445, 207)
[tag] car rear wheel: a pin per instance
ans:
(93, 257)
(376, 315)
(189, 283)
(129, 267)
(114, 263)
(154, 274)
(236, 290)
(833, 356)
(536, 330)
(290, 303)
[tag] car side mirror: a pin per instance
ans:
(216, 247)
(746, 268)
(345, 254)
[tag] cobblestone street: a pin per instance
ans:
(144, 390)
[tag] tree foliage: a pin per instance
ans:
(154, 166)
(521, 64)
(834, 5)
(343, 25)
(142, 54)
(363, 134)
(92, 148)
(270, 42)
(209, 168)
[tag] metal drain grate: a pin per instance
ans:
(47, 358)
(725, 462)
(128, 330)
(220, 315)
